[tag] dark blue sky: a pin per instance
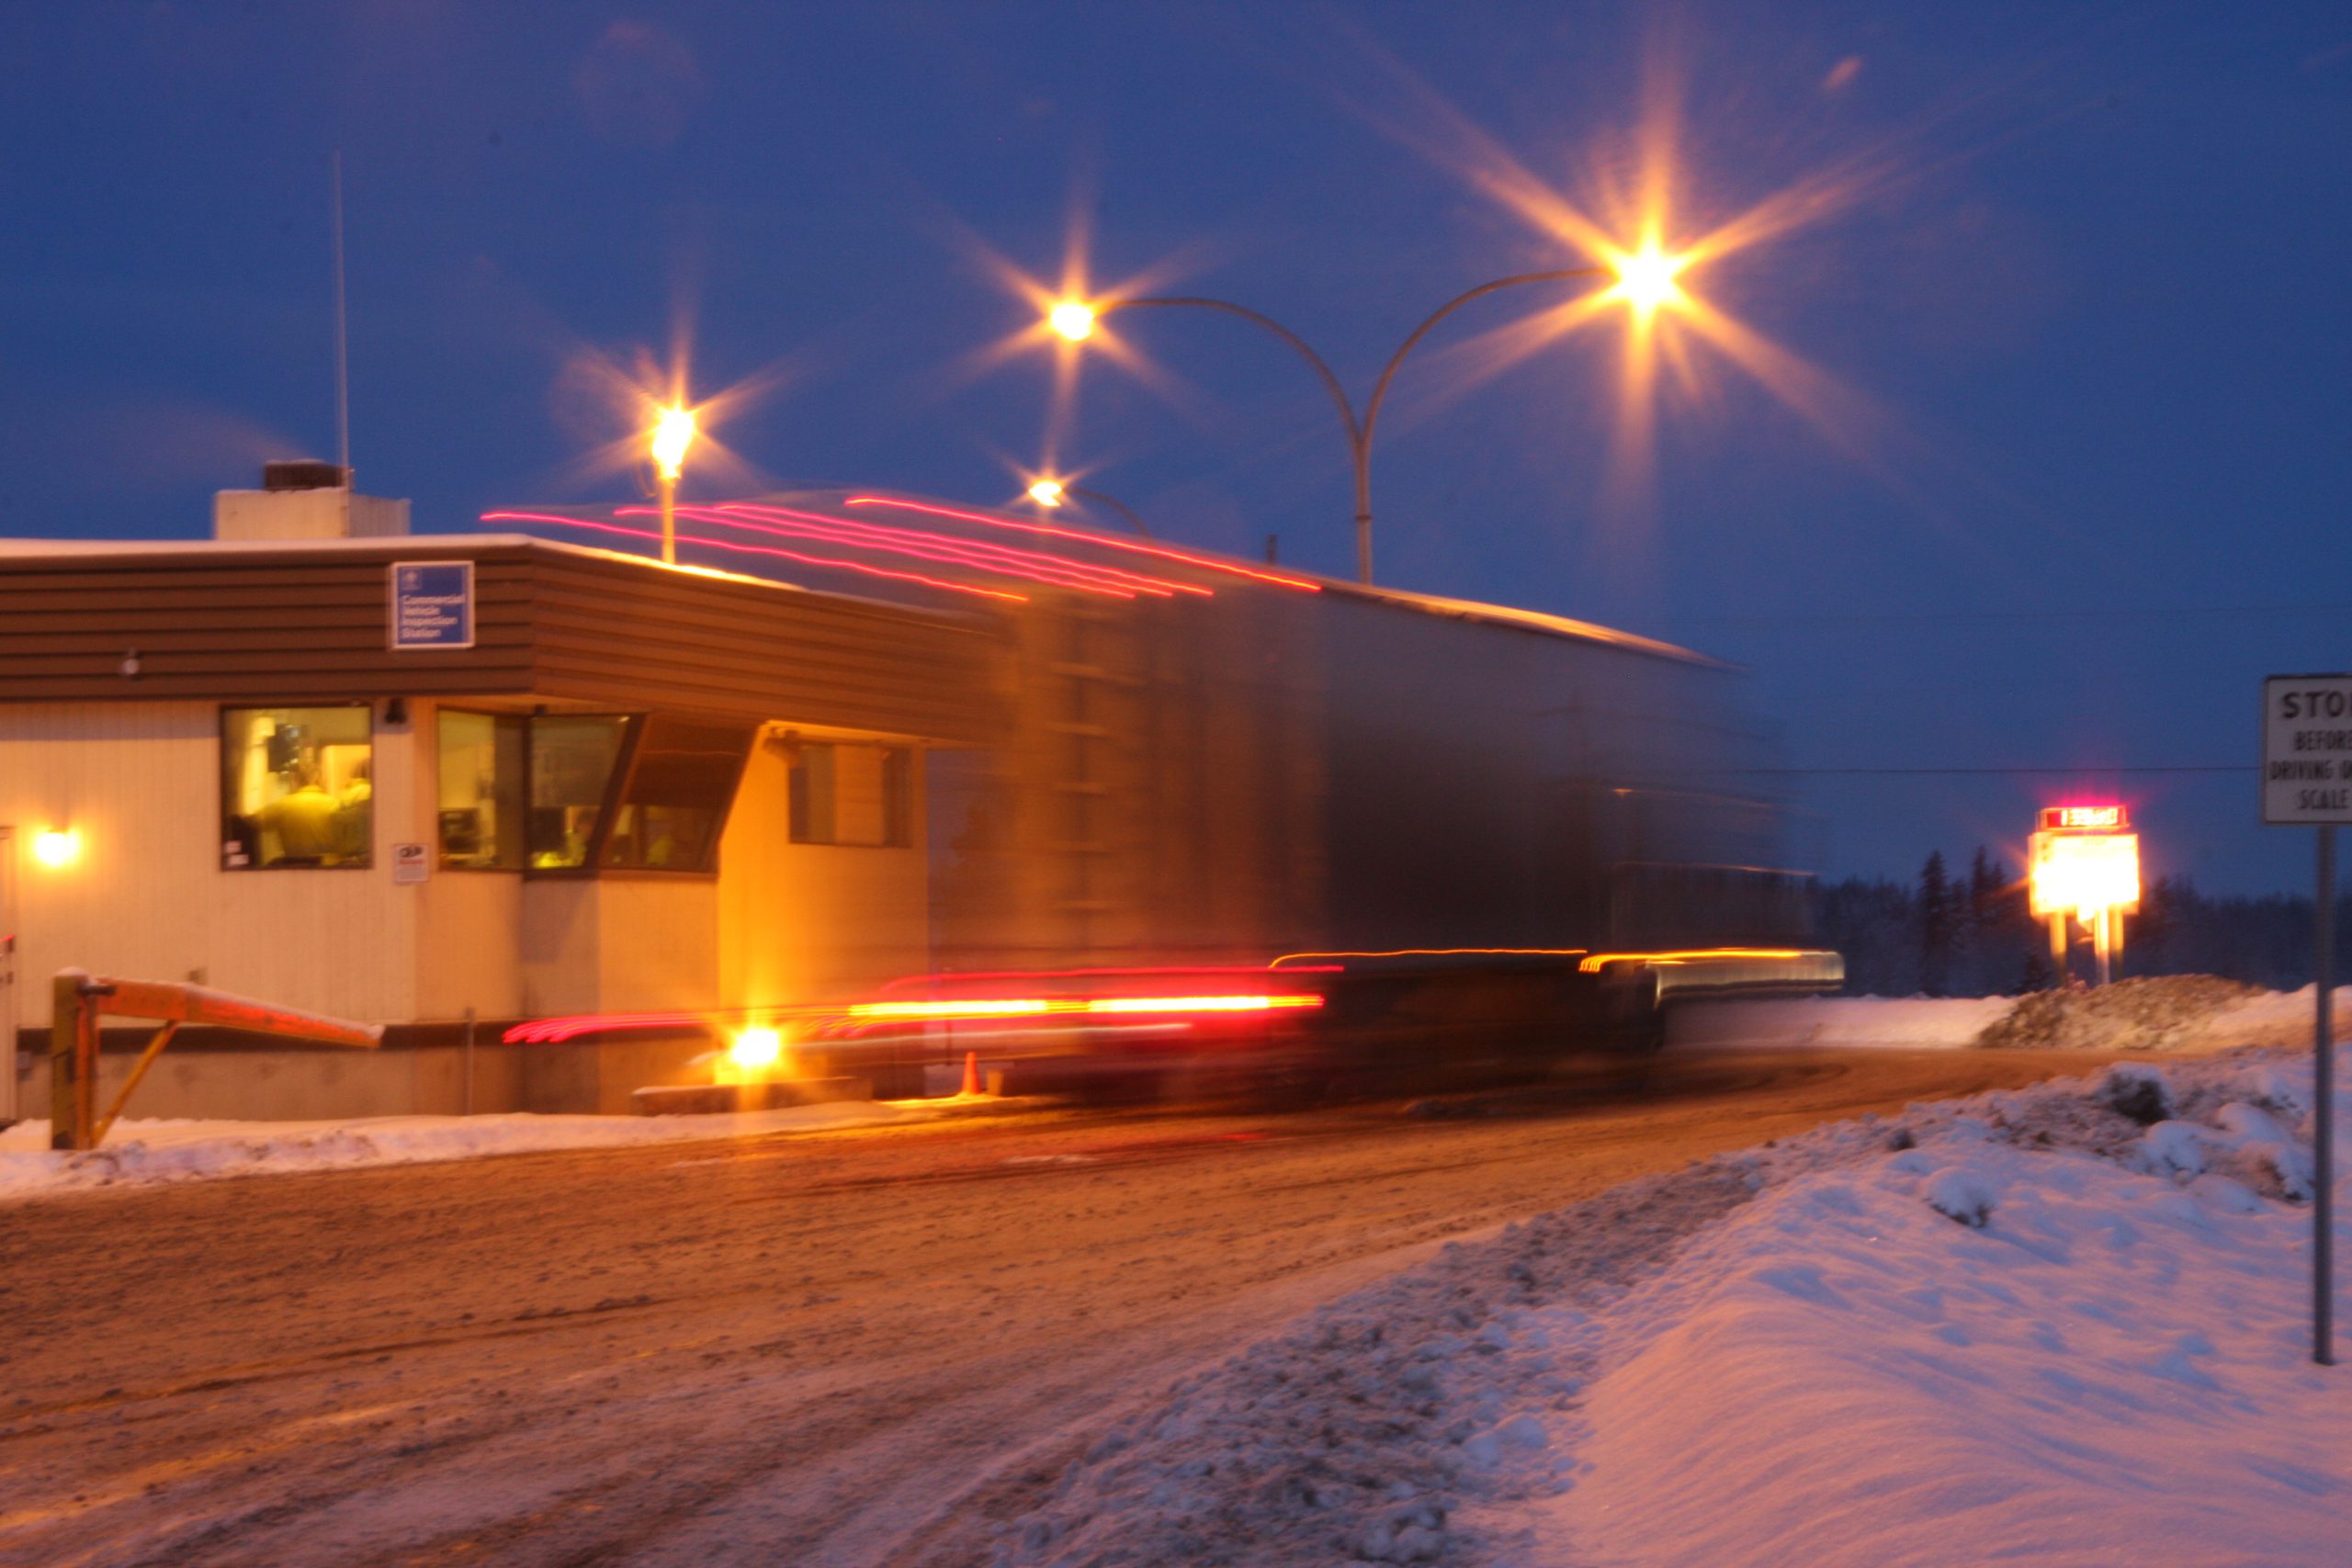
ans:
(2096, 295)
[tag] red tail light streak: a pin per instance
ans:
(1106, 541)
(974, 552)
(832, 561)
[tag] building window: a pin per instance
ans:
(572, 758)
(681, 780)
(481, 798)
(295, 787)
(853, 795)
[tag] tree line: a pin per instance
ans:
(1968, 933)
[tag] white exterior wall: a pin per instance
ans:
(618, 944)
(782, 923)
(147, 899)
(815, 922)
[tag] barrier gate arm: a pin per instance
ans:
(78, 1000)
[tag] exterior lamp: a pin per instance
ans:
(673, 432)
(753, 1055)
(1073, 319)
(57, 848)
(1046, 492)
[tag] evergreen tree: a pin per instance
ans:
(1936, 911)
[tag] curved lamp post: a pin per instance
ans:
(1074, 319)
(1052, 492)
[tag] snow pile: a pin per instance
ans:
(1911, 1022)
(1796, 1355)
(2157, 1014)
(181, 1151)
(2169, 1012)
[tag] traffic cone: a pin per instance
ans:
(971, 1073)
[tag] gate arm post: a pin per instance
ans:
(73, 1059)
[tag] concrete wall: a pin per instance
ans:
(814, 922)
(579, 1076)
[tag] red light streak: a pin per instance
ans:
(756, 551)
(555, 1031)
(1285, 964)
(1080, 575)
(984, 552)
(709, 516)
(1105, 541)
(949, 1010)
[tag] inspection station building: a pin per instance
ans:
(449, 783)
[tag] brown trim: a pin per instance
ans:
(305, 623)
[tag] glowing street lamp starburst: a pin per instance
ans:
(674, 430)
(1046, 492)
(1647, 279)
(1073, 320)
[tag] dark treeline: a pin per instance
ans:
(1965, 931)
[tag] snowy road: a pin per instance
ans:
(844, 1348)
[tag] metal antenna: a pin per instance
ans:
(342, 339)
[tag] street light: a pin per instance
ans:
(673, 432)
(1645, 280)
(1051, 493)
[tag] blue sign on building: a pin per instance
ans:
(433, 604)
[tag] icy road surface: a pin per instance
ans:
(860, 1347)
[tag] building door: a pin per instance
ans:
(8, 1111)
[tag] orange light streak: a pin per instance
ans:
(1592, 965)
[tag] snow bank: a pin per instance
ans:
(180, 1151)
(1907, 1022)
(1796, 1355)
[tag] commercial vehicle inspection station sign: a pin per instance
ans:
(433, 604)
(2307, 749)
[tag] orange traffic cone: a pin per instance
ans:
(971, 1073)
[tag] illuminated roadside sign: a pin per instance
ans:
(2101, 818)
(2081, 874)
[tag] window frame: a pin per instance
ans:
(897, 773)
(521, 717)
(221, 814)
(624, 760)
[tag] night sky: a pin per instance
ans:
(2065, 478)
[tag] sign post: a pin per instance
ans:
(2307, 779)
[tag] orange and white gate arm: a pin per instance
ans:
(79, 998)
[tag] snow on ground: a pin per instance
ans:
(2022, 1327)
(155, 1151)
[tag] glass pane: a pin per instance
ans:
(480, 804)
(296, 788)
(571, 763)
(679, 789)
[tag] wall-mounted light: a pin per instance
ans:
(57, 846)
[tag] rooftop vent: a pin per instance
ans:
(304, 473)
